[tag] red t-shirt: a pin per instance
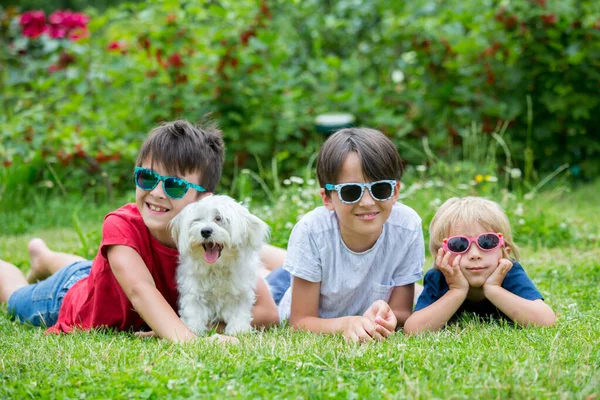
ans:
(98, 300)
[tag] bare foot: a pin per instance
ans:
(37, 251)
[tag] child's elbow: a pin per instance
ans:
(410, 327)
(548, 319)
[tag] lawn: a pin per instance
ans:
(558, 230)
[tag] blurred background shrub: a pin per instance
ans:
(509, 89)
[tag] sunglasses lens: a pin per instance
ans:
(458, 244)
(382, 190)
(351, 193)
(146, 179)
(488, 241)
(175, 188)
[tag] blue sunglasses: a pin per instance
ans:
(174, 187)
(350, 193)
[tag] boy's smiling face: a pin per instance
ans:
(360, 223)
(158, 209)
(477, 265)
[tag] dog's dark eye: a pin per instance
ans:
(218, 218)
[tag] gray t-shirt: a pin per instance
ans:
(351, 282)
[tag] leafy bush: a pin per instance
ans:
(76, 107)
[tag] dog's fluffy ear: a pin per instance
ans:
(176, 224)
(248, 230)
(259, 231)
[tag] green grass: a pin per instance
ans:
(470, 359)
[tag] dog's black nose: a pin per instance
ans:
(206, 232)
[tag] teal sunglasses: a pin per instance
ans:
(174, 187)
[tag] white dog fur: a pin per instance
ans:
(218, 241)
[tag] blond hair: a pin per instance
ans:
(465, 211)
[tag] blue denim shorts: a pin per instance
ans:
(38, 304)
(278, 281)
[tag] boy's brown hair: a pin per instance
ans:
(181, 148)
(378, 155)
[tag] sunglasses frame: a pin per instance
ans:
(338, 188)
(473, 240)
(162, 179)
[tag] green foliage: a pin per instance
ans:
(416, 70)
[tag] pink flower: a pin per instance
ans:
(115, 46)
(57, 32)
(68, 19)
(33, 23)
(66, 23)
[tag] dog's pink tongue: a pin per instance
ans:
(211, 254)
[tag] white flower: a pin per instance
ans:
(409, 57)
(491, 178)
(462, 186)
(289, 225)
(521, 221)
(515, 173)
(563, 226)
(311, 182)
(297, 180)
(397, 76)
(435, 202)
(287, 182)
(421, 168)
(519, 210)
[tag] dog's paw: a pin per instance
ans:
(237, 328)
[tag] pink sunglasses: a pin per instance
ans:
(461, 244)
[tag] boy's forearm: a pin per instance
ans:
(521, 311)
(436, 315)
(158, 314)
(318, 325)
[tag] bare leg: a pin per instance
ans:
(45, 262)
(272, 257)
(11, 279)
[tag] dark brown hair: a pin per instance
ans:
(378, 155)
(181, 148)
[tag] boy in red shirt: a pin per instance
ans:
(130, 284)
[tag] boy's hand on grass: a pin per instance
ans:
(143, 335)
(452, 273)
(359, 329)
(384, 318)
(497, 277)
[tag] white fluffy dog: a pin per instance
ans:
(218, 241)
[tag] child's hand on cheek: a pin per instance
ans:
(497, 277)
(452, 273)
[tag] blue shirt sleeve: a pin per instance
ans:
(517, 282)
(434, 287)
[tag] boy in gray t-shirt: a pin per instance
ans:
(354, 261)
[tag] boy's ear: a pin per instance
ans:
(397, 190)
(326, 199)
